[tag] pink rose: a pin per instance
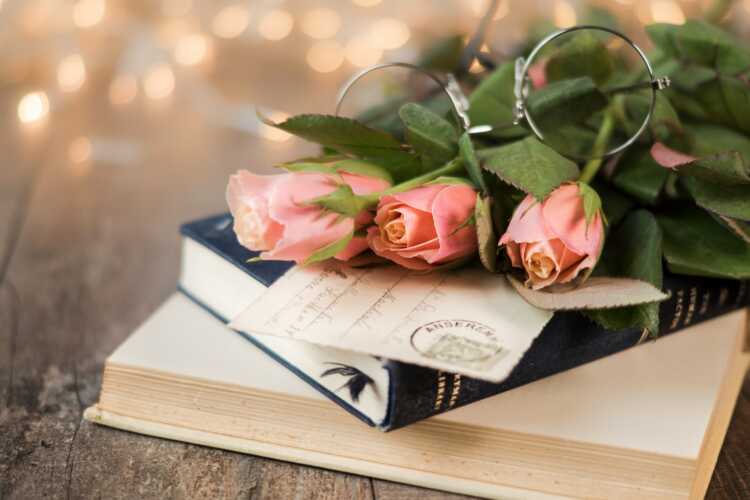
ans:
(271, 214)
(551, 240)
(425, 227)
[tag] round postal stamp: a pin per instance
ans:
(460, 342)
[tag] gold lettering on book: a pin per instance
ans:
(455, 391)
(679, 296)
(706, 300)
(440, 391)
(723, 296)
(741, 293)
(691, 306)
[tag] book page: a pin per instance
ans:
(469, 322)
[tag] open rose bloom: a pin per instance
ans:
(272, 213)
(425, 227)
(551, 240)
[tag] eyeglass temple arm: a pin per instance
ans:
(659, 83)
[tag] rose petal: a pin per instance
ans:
(527, 224)
(452, 207)
(307, 234)
(564, 215)
(419, 225)
(363, 184)
(420, 198)
(287, 201)
(354, 248)
(668, 157)
(378, 246)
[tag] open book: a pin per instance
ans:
(644, 423)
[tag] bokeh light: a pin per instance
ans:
(325, 56)
(71, 73)
(667, 11)
(176, 8)
(80, 150)
(321, 23)
(33, 107)
(388, 33)
(272, 133)
(564, 14)
(158, 82)
(276, 25)
(366, 3)
(231, 21)
(360, 53)
(191, 49)
(88, 13)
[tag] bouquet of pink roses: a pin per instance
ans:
(423, 192)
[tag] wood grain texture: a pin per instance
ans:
(88, 252)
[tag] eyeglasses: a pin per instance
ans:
(573, 88)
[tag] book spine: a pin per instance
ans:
(569, 340)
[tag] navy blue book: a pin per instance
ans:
(390, 394)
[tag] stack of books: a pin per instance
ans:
(612, 421)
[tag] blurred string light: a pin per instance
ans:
(159, 82)
(321, 23)
(388, 33)
(231, 21)
(88, 13)
(325, 56)
(366, 3)
(123, 90)
(33, 107)
(276, 25)
(564, 14)
(191, 49)
(667, 11)
(360, 53)
(71, 73)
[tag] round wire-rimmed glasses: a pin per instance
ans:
(638, 88)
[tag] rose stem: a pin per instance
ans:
(452, 167)
(602, 138)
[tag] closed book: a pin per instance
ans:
(647, 423)
(389, 394)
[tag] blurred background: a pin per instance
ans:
(143, 83)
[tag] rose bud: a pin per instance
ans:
(425, 227)
(552, 240)
(277, 215)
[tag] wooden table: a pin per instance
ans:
(89, 250)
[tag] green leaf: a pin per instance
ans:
(710, 139)
(486, 236)
(471, 162)
(341, 201)
(329, 251)
(726, 100)
(493, 103)
(633, 250)
(727, 168)
(701, 43)
(444, 55)
(696, 244)
(565, 102)
(429, 134)
(352, 137)
(583, 55)
(722, 199)
(640, 176)
(530, 166)
(336, 165)
(592, 204)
